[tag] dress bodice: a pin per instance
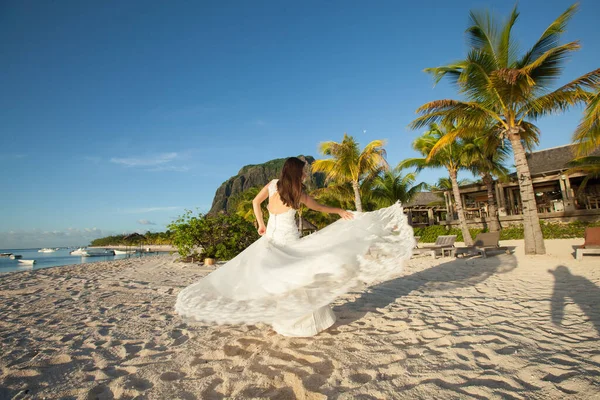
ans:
(281, 228)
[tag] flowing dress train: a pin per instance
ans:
(288, 282)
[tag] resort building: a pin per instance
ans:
(557, 195)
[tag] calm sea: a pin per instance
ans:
(55, 259)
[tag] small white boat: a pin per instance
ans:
(46, 250)
(15, 256)
(78, 252)
(26, 262)
(122, 252)
(5, 254)
(105, 253)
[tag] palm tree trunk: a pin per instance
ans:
(534, 241)
(493, 210)
(357, 200)
(459, 209)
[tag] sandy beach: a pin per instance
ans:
(505, 327)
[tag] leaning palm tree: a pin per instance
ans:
(450, 157)
(392, 186)
(512, 90)
(349, 164)
(486, 158)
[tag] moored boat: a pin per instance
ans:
(121, 252)
(46, 250)
(5, 254)
(105, 253)
(77, 252)
(26, 262)
(15, 256)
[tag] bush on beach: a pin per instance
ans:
(220, 236)
(550, 230)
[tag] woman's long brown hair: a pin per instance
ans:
(290, 185)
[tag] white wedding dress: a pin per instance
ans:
(288, 282)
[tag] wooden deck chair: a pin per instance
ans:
(591, 244)
(484, 242)
(443, 244)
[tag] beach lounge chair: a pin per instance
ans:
(443, 244)
(484, 242)
(417, 238)
(591, 245)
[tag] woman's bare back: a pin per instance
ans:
(276, 206)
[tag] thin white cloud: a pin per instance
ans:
(38, 238)
(147, 161)
(145, 222)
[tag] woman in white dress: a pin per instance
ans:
(288, 282)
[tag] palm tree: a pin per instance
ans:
(391, 186)
(242, 205)
(587, 133)
(349, 164)
(512, 91)
(342, 194)
(589, 165)
(444, 184)
(485, 158)
(450, 157)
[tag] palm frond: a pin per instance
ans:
(550, 38)
(507, 48)
(482, 34)
(587, 134)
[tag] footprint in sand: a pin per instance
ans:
(138, 384)
(170, 376)
(360, 378)
(100, 392)
(61, 359)
(180, 336)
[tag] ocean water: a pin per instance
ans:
(55, 259)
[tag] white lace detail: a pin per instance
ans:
(273, 187)
(280, 277)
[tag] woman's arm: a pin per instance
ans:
(260, 197)
(313, 205)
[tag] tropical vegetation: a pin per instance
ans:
(148, 238)
(429, 234)
(220, 236)
(485, 156)
(513, 90)
(348, 164)
(451, 156)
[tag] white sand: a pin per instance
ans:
(500, 328)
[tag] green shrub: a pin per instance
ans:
(429, 234)
(220, 236)
(550, 230)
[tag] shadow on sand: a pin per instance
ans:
(581, 290)
(446, 276)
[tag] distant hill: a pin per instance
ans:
(258, 175)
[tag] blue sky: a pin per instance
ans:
(117, 115)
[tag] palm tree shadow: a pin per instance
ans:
(581, 290)
(443, 277)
